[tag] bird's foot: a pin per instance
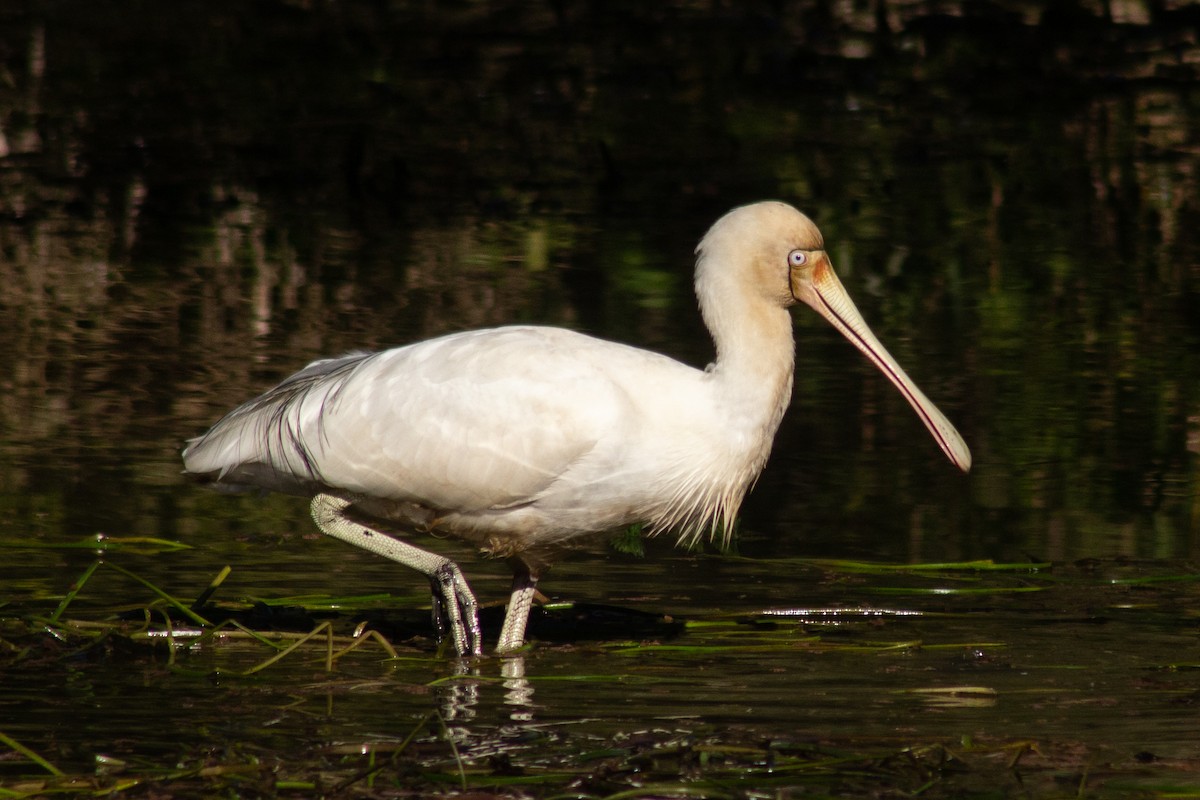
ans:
(455, 610)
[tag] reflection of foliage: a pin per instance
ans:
(629, 541)
(195, 201)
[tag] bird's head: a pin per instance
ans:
(777, 253)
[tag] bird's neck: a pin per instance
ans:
(754, 365)
(751, 384)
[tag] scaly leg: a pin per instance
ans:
(454, 605)
(512, 635)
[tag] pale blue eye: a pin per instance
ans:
(797, 258)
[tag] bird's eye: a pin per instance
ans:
(797, 258)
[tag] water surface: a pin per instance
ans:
(194, 205)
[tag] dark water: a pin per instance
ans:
(195, 203)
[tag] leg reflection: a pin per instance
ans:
(458, 697)
(518, 692)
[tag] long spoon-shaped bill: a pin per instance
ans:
(816, 284)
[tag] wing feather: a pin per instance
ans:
(485, 419)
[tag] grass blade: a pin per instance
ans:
(13, 744)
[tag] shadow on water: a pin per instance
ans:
(193, 204)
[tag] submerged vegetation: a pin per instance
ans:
(646, 764)
(304, 654)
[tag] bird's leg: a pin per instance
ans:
(454, 607)
(454, 604)
(512, 635)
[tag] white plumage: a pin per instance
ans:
(521, 439)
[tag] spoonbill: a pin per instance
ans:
(524, 440)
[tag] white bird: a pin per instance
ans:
(524, 440)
